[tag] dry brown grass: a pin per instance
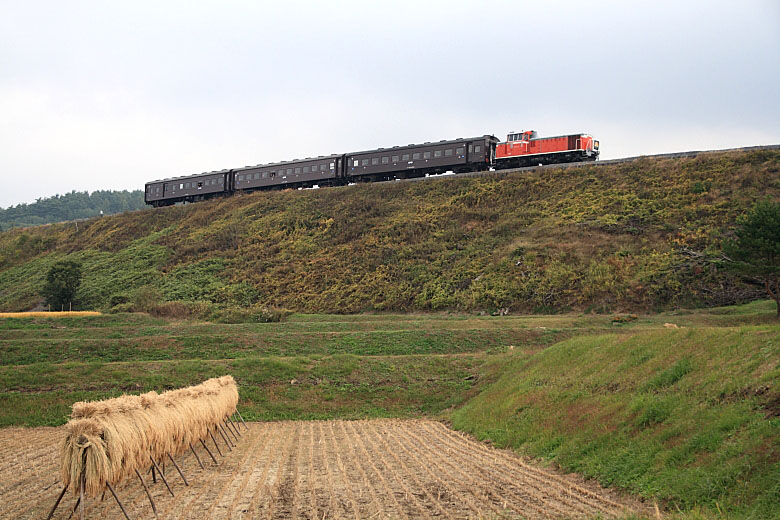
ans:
(45, 314)
(107, 441)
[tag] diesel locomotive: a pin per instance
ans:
(383, 164)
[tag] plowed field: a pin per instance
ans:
(315, 470)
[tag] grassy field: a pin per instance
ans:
(680, 407)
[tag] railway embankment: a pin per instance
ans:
(638, 235)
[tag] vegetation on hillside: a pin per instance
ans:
(62, 281)
(756, 250)
(687, 416)
(641, 235)
(73, 205)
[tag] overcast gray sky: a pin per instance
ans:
(109, 95)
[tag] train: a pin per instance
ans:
(382, 164)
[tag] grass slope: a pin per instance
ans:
(640, 235)
(688, 416)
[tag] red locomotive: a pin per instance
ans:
(525, 149)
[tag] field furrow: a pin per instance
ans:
(315, 470)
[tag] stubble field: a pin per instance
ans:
(316, 470)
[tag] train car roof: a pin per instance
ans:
(182, 177)
(417, 145)
(294, 161)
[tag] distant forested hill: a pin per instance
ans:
(73, 205)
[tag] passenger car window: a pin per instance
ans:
(395, 158)
(448, 153)
(460, 151)
(323, 167)
(437, 153)
(298, 170)
(305, 169)
(289, 171)
(405, 157)
(477, 149)
(385, 160)
(375, 160)
(416, 155)
(365, 162)
(426, 155)
(357, 163)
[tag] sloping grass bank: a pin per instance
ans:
(634, 236)
(690, 417)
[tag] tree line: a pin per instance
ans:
(70, 206)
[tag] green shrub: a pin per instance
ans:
(147, 298)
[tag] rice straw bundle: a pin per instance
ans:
(107, 441)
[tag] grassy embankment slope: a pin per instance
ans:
(635, 236)
(686, 416)
(689, 416)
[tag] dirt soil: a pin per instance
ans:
(316, 470)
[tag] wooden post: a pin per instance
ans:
(196, 456)
(209, 452)
(81, 495)
(154, 508)
(242, 419)
(234, 426)
(118, 501)
(179, 470)
(228, 428)
(224, 437)
(75, 506)
(215, 444)
(162, 476)
(57, 503)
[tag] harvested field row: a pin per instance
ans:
(321, 469)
